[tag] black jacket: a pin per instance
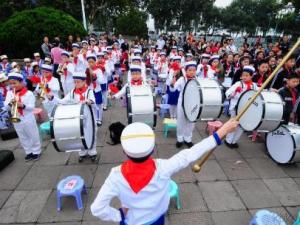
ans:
(286, 95)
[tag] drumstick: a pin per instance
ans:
(197, 166)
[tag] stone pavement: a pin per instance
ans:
(231, 187)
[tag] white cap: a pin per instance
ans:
(100, 54)
(205, 56)
(176, 57)
(27, 60)
(162, 53)
(137, 51)
(91, 56)
(65, 53)
(14, 64)
(36, 54)
(138, 140)
(249, 69)
(3, 77)
(84, 42)
(34, 64)
(174, 47)
(47, 67)
(15, 76)
(189, 55)
(190, 64)
(134, 68)
(75, 45)
(79, 75)
(3, 57)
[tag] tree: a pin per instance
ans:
(132, 23)
(22, 33)
(289, 25)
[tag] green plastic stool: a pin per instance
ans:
(45, 129)
(174, 193)
(168, 125)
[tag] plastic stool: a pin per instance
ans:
(213, 126)
(163, 110)
(39, 114)
(75, 191)
(168, 125)
(44, 129)
(174, 193)
(297, 222)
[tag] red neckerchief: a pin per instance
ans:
(138, 175)
(47, 80)
(35, 78)
(3, 87)
(249, 85)
(66, 70)
(136, 82)
(21, 93)
(80, 92)
(260, 80)
(76, 60)
(84, 55)
(205, 69)
(294, 96)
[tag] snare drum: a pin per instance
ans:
(283, 144)
(202, 98)
(141, 105)
(72, 127)
(265, 114)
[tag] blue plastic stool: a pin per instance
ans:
(297, 222)
(163, 110)
(174, 193)
(168, 125)
(75, 191)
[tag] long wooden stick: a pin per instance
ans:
(197, 166)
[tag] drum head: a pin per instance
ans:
(280, 145)
(252, 118)
(191, 100)
(87, 126)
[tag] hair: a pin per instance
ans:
(292, 76)
(140, 160)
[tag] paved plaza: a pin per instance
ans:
(231, 187)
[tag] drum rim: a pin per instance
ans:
(263, 109)
(294, 144)
(81, 126)
(201, 100)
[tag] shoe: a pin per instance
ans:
(28, 157)
(35, 157)
(104, 108)
(179, 144)
(93, 158)
(99, 123)
(189, 144)
(230, 145)
(80, 159)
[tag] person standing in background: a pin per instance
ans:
(56, 57)
(46, 47)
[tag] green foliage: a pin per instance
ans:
(22, 33)
(132, 23)
(289, 25)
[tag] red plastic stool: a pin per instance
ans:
(213, 126)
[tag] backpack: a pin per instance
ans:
(115, 131)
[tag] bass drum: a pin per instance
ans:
(283, 144)
(72, 127)
(265, 114)
(141, 105)
(202, 99)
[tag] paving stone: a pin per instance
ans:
(266, 168)
(98, 222)
(220, 196)
(23, 206)
(10, 144)
(12, 175)
(281, 212)
(170, 140)
(185, 175)
(255, 194)
(112, 154)
(222, 152)
(211, 171)
(63, 223)
(191, 218)
(69, 212)
(237, 169)
(40, 178)
(74, 156)
(102, 173)
(191, 199)
(50, 157)
(231, 218)
(87, 172)
(3, 197)
(87, 216)
(252, 150)
(293, 211)
(285, 189)
(166, 151)
(293, 170)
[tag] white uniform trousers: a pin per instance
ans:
(233, 137)
(184, 127)
(29, 136)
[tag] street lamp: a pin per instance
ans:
(83, 14)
